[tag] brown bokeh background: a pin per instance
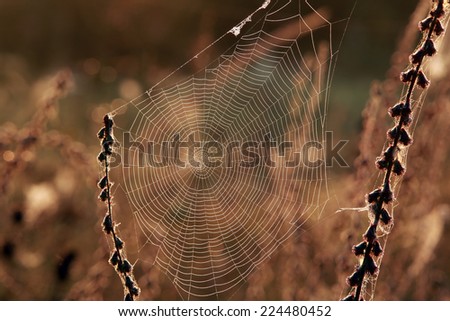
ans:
(64, 64)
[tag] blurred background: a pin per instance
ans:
(64, 64)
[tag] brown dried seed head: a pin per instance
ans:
(425, 24)
(387, 195)
(125, 266)
(108, 122)
(398, 168)
(101, 133)
(405, 138)
(422, 80)
(438, 12)
(373, 196)
(102, 157)
(359, 248)
(417, 56)
(355, 278)
(108, 225)
(377, 249)
(104, 195)
(103, 182)
(438, 28)
(381, 163)
(397, 110)
(408, 75)
(392, 133)
(118, 243)
(406, 121)
(114, 260)
(371, 266)
(135, 291)
(390, 153)
(385, 217)
(428, 47)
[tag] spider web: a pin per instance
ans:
(214, 222)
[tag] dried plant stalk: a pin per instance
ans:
(118, 260)
(369, 250)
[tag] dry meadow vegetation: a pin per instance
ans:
(52, 246)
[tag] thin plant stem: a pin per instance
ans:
(118, 260)
(389, 162)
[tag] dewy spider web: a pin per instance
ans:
(213, 221)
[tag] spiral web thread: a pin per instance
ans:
(212, 225)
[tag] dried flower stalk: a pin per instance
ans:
(398, 138)
(123, 267)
